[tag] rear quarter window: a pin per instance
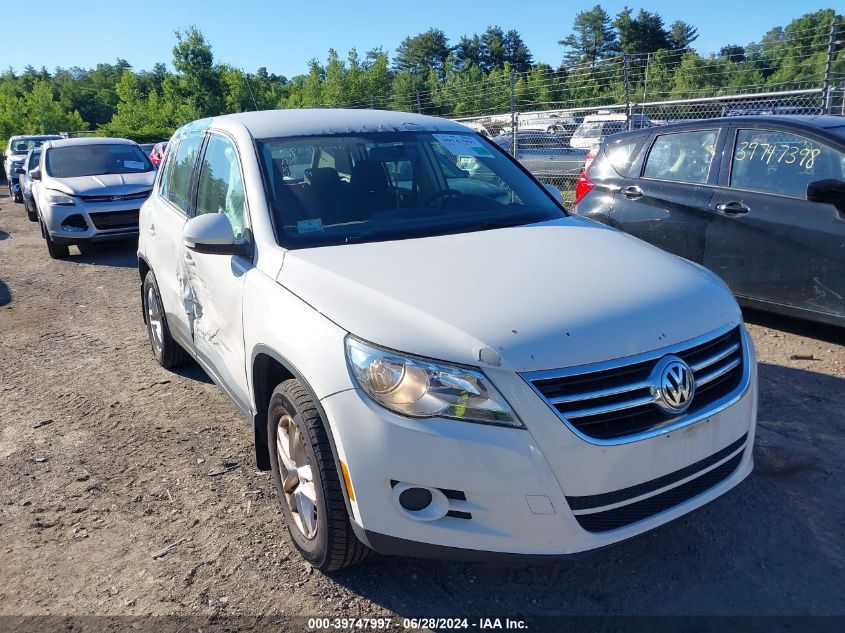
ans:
(682, 156)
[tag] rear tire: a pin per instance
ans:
(319, 527)
(167, 352)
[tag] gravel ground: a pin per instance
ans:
(105, 459)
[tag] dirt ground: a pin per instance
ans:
(107, 459)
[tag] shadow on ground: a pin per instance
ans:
(5, 293)
(810, 329)
(117, 254)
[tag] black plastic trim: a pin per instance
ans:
(647, 508)
(596, 501)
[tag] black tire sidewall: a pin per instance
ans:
(315, 550)
(150, 282)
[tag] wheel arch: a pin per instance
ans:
(269, 368)
(143, 268)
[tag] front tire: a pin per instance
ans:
(167, 352)
(54, 250)
(307, 482)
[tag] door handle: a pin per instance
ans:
(633, 192)
(151, 229)
(733, 208)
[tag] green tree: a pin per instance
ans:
(423, 52)
(681, 35)
(592, 37)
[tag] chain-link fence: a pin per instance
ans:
(553, 124)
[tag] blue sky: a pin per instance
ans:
(283, 35)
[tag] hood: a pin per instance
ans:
(104, 184)
(543, 296)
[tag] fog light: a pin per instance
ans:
(415, 499)
(74, 223)
(419, 502)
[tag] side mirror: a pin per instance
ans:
(556, 194)
(35, 174)
(829, 190)
(212, 234)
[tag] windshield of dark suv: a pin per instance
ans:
(343, 189)
(94, 160)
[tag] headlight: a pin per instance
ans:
(424, 389)
(57, 198)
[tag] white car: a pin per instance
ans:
(434, 371)
(16, 152)
(597, 127)
(90, 190)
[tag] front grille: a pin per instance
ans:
(631, 513)
(140, 195)
(616, 401)
(111, 220)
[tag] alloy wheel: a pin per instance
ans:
(155, 320)
(297, 479)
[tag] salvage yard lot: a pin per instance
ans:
(107, 460)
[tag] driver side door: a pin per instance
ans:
(215, 281)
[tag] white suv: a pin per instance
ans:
(439, 362)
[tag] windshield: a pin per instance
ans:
(368, 187)
(92, 160)
(22, 146)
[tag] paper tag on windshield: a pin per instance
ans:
(463, 145)
(310, 226)
(133, 164)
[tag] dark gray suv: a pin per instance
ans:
(760, 200)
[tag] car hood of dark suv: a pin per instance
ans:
(104, 184)
(542, 296)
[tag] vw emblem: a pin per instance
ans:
(674, 386)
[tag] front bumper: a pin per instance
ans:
(89, 223)
(507, 488)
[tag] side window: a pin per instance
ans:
(176, 180)
(621, 155)
(166, 167)
(778, 162)
(221, 185)
(682, 157)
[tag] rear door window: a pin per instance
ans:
(779, 162)
(682, 156)
(176, 181)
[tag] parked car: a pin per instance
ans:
(147, 147)
(476, 126)
(551, 123)
(424, 372)
(15, 153)
(30, 162)
(758, 200)
(597, 127)
(90, 190)
(547, 156)
(157, 153)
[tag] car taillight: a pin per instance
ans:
(584, 185)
